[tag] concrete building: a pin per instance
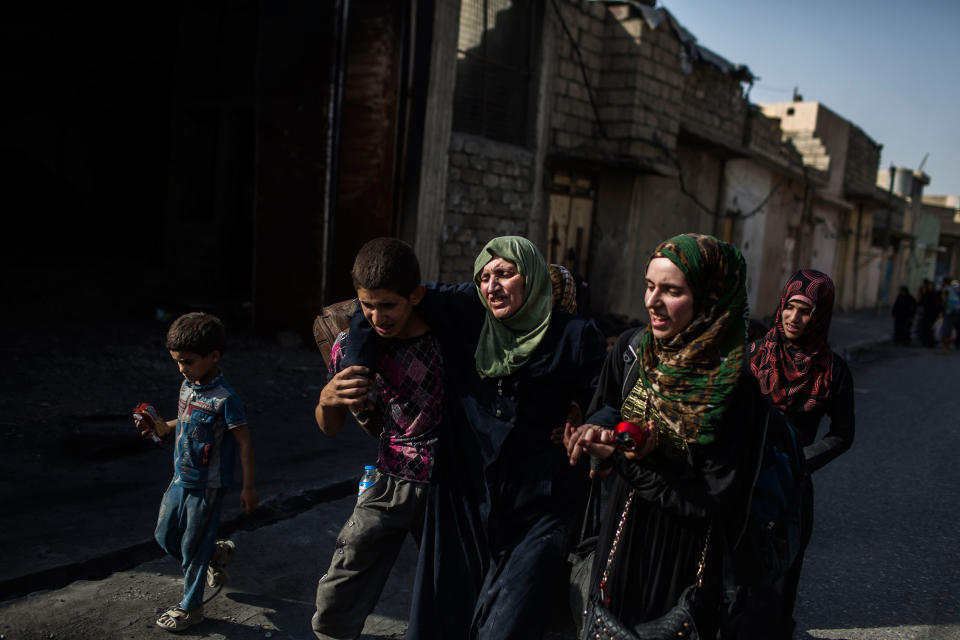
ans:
(621, 131)
(946, 209)
(910, 233)
(837, 229)
(258, 145)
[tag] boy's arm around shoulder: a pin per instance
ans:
(248, 492)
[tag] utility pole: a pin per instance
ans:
(888, 266)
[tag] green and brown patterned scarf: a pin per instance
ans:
(689, 379)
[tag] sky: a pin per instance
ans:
(891, 68)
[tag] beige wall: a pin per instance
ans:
(747, 185)
(857, 269)
(634, 213)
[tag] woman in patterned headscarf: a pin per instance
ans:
(683, 382)
(805, 380)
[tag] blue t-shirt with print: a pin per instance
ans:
(203, 456)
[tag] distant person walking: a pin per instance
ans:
(805, 380)
(950, 326)
(928, 298)
(904, 310)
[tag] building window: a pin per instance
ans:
(492, 94)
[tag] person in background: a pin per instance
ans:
(930, 306)
(950, 326)
(904, 310)
(805, 380)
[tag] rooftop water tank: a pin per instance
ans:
(903, 181)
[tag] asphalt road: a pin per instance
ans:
(883, 561)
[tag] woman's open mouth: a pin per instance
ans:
(657, 321)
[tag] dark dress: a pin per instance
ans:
(675, 501)
(930, 307)
(904, 310)
(839, 406)
(497, 530)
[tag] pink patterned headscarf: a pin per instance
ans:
(796, 375)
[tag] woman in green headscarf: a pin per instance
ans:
(682, 382)
(497, 528)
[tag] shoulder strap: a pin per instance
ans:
(631, 359)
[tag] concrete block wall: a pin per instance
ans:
(646, 89)
(573, 123)
(812, 149)
(640, 90)
(489, 193)
(713, 105)
(863, 160)
(766, 139)
(644, 84)
(634, 73)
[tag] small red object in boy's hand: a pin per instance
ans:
(630, 436)
(148, 421)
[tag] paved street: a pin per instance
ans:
(883, 562)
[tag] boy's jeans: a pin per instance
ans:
(187, 530)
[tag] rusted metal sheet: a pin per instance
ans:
(368, 136)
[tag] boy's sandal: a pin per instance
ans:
(177, 619)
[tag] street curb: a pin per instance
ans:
(277, 508)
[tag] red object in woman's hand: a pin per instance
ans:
(631, 436)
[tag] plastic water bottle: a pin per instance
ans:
(368, 478)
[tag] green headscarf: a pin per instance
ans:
(690, 378)
(505, 345)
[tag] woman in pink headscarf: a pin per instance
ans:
(804, 379)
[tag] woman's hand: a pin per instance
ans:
(561, 435)
(649, 444)
(595, 440)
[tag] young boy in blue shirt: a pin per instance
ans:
(211, 428)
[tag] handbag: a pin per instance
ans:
(581, 557)
(677, 623)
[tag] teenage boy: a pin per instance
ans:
(404, 402)
(210, 428)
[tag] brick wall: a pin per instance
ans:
(489, 194)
